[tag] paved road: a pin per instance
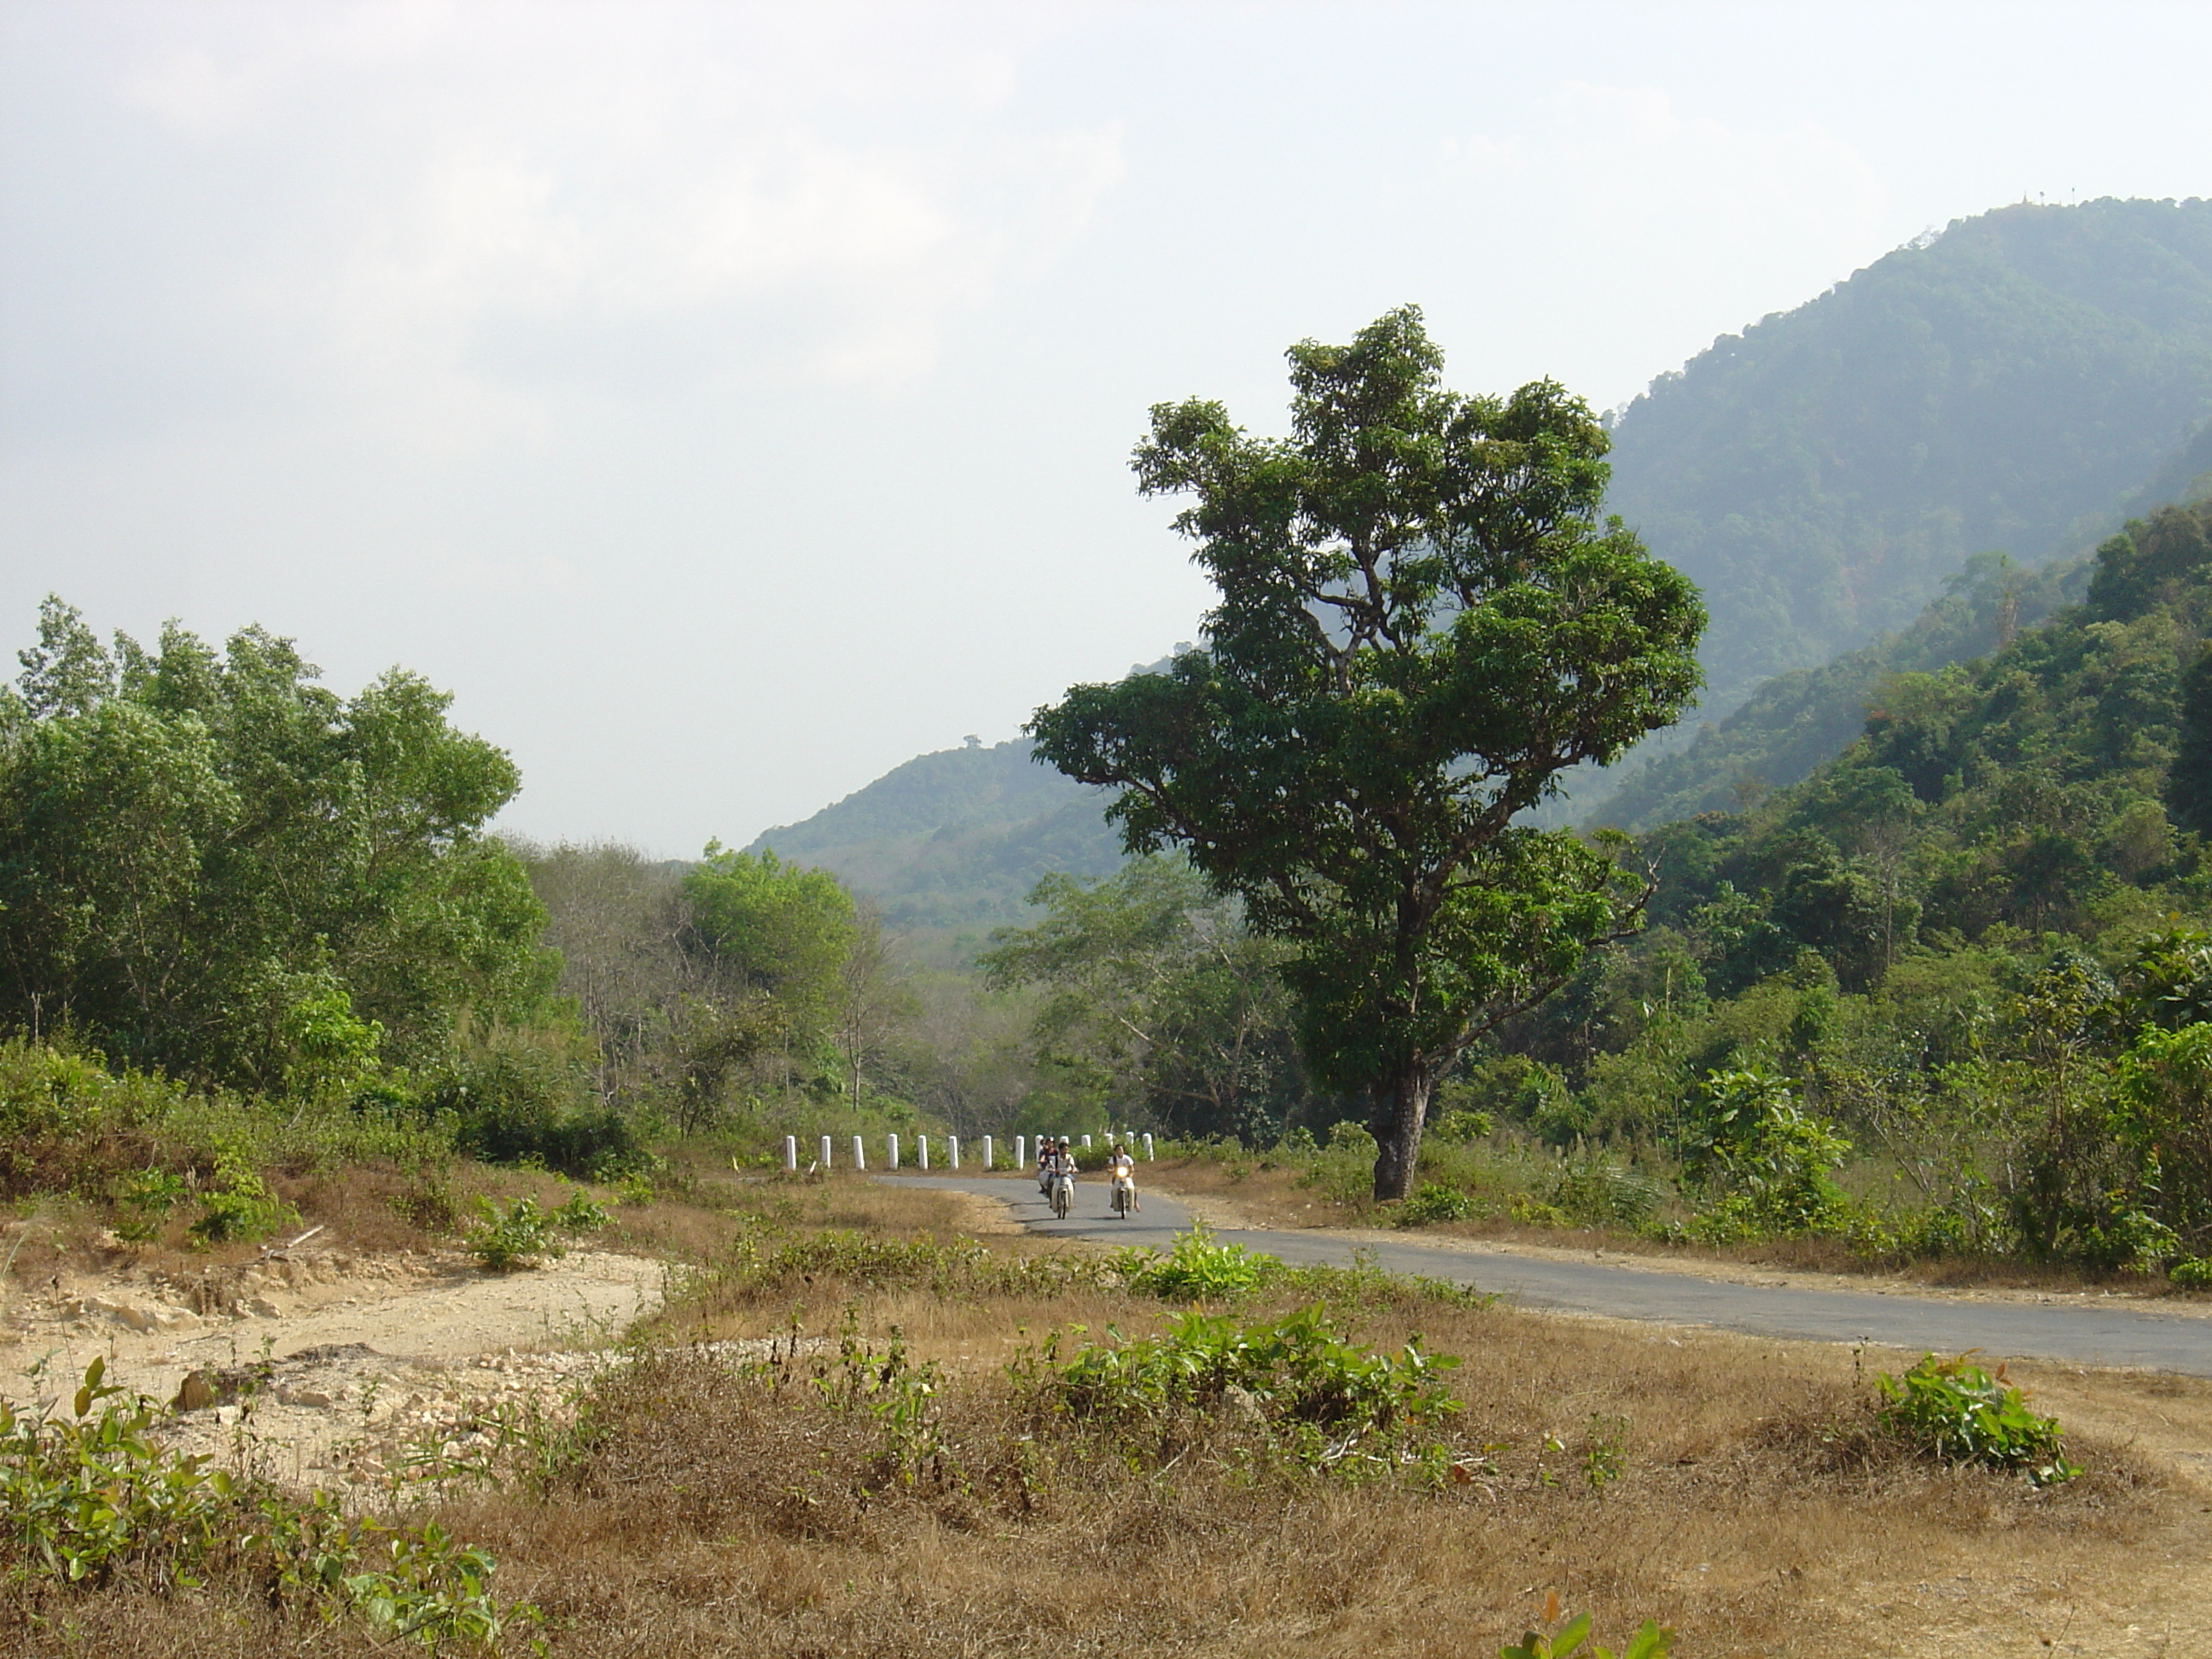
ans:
(2128, 1334)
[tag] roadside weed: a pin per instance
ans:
(1960, 1413)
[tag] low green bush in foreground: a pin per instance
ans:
(87, 1498)
(1958, 1413)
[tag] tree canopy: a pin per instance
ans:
(1422, 621)
(212, 864)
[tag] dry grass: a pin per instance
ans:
(1755, 1511)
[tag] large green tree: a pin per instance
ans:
(212, 864)
(1422, 621)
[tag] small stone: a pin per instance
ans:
(227, 1415)
(263, 1307)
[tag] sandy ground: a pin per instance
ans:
(319, 1366)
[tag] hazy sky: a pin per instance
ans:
(727, 402)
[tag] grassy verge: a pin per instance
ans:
(863, 1431)
(1506, 1193)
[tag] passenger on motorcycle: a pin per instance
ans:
(1057, 1156)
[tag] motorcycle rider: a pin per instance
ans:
(1057, 1156)
(1120, 1167)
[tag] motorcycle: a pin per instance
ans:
(1125, 1196)
(1063, 1193)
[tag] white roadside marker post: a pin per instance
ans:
(791, 1153)
(891, 1142)
(921, 1152)
(1021, 1152)
(1148, 1145)
(859, 1153)
(825, 1151)
(952, 1152)
(986, 1154)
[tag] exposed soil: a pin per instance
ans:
(322, 1365)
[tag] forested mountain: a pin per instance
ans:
(956, 839)
(2006, 385)
(2016, 386)
(1795, 722)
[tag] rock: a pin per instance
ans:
(262, 1307)
(311, 1397)
(150, 1316)
(227, 1415)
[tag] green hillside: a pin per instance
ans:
(1795, 722)
(2059, 784)
(956, 839)
(2006, 385)
(2018, 386)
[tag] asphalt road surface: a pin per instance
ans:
(2126, 1333)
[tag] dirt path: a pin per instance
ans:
(320, 1365)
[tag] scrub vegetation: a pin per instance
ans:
(860, 1430)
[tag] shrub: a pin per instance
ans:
(518, 1236)
(241, 1209)
(1957, 1412)
(1325, 1401)
(1199, 1268)
(581, 1215)
(92, 1496)
(1434, 1202)
(1749, 1139)
(516, 1104)
(1595, 1190)
(1459, 1127)
(1651, 1641)
(2192, 1272)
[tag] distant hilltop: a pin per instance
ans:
(1838, 479)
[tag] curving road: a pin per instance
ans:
(2126, 1333)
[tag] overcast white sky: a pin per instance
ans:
(727, 402)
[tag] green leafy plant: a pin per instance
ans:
(1325, 1401)
(1749, 1139)
(240, 1208)
(1434, 1202)
(519, 1236)
(1958, 1413)
(581, 1215)
(91, 1494)
(2192, 1272)
(1199, 1267)
(145, 1199)
(1651, 1641)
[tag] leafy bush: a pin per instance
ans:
(1326, 1402)
(1435, 1202)
(1199, 1268)
(2192, 1272)
(1351, 1136)
(1597, 1191)
(518, 1236)
(581, 1215)
(1464, 1125)
(89, 1497)
(520, 1104)
(1957, 1412)
(1749, 1139)
(1651, 1641)
(241, 1209)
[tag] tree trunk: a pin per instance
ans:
(1400, 1108)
